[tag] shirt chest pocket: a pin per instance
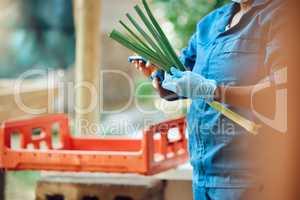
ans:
(238, 61)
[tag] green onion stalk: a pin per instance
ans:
(153, 45)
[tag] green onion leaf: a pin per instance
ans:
(166, 41)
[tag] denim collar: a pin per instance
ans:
(227, 12)
(259, 2)
(256, 2)
(231, 8)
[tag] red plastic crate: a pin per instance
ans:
(153, 153)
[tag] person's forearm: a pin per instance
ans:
(244, 97)
(235, 96)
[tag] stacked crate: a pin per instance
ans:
(106, 188)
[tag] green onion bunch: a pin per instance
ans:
(152, 44)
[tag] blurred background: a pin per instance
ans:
(38, 41)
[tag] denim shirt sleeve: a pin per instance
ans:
(275, 58)
(189, 54)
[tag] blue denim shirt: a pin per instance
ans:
(241, 55)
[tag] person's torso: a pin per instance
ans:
(218, 146)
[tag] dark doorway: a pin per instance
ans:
(90, 198)
(123, 198)
(55, 197)
(2, 185)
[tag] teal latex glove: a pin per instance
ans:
(189, 84)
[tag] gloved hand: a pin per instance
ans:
(189, 84)
(158, 74)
